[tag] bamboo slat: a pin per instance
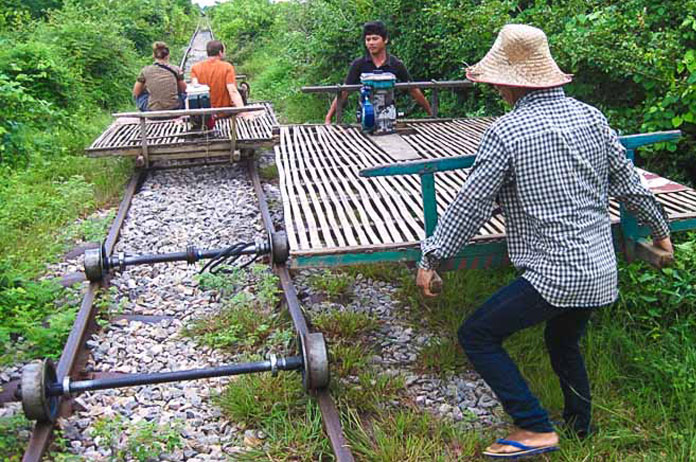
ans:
(397, 221)
(294, 221)
(309, 186)
(325, 184)
(329, 209)
(403, 191)
(372, 220)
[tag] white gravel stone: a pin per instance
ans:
(209, 207)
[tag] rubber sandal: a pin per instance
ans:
(524, 450)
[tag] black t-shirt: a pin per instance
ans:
(365, 64)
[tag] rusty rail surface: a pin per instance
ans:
(70, 358)
(329, 413)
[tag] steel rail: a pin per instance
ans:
(69, 359)
(329, 412)
(182, 65)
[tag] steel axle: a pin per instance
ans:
(40, 389)
(273, 364)
(98, 263)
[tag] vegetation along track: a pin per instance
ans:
(148, 313)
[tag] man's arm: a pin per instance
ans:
(340, 99)
(236, 98)
(472, 206)
(353, 78)
(625, 186)
(231, 82)
(418, 95)
(403, 75)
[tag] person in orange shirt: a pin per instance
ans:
(219, 75)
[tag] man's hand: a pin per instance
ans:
(664, 244)
(429, 282)
(327, 120)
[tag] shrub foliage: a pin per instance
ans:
(634, 59)
(63, 66)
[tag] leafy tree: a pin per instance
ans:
(634, 59)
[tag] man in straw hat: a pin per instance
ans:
(551, 163)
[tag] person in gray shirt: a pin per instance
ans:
(160, 86)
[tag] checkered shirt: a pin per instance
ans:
(551, 164)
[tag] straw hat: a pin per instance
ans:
(520, 57)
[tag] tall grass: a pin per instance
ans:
(640, 357)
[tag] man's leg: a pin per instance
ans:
(509, 310)
(562, 336)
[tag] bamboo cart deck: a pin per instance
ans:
(333, 216)
(171, 139)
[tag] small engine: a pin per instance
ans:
(198, 97)
(377, 109)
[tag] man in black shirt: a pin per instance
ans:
(376, 39)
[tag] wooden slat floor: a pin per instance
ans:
(124, 133)
(329, 207)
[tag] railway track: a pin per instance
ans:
(195, 51)
(161, 211)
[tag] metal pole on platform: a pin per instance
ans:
(143, 136)
(429, 203)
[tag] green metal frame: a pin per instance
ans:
(479, 254)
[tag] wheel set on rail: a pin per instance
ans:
(98, 263)
(40, 389)
(43, 385)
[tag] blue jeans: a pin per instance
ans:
(511, 309)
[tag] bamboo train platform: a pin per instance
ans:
(171, 139)
(334, 217)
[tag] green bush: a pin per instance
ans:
(63, 67)
(658, 309)
(32, 83)
(39, 69)
(633, 59)
(31, 320)
(241, 24)
(100, 57)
